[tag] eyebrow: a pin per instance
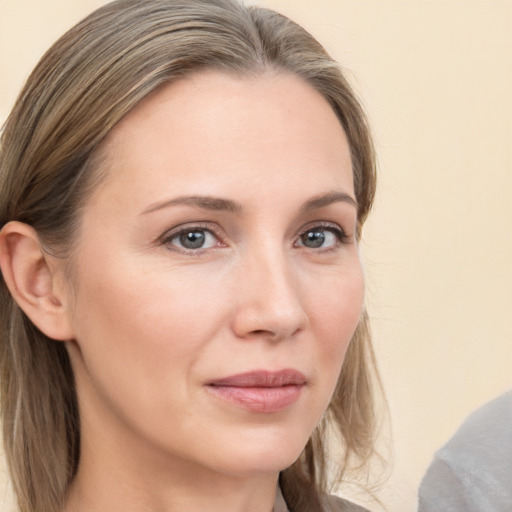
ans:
(227, 205)
(203, 202)
(326, 199)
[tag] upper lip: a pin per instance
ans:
(262, 379)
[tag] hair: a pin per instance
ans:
(82, 87)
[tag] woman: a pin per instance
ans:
(184, 184)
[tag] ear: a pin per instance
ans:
(31, 276)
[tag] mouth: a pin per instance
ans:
(260, 391)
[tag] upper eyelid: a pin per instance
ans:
(191, 226)
(323, 225)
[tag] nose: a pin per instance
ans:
(268, 299)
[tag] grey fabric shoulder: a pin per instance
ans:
(472, 472)
(330, 503)
(337, 504)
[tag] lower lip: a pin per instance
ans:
(254, 399)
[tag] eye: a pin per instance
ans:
(320, 237)
(192, 239)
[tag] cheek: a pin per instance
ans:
(140, 339)
(334, 314)
(138, 328)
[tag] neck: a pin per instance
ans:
(122, 496)
(114, 478)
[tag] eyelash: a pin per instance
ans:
(335, 229)
(168, 237)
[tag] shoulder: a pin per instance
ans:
(484, 439)
(333, 503)
(494, 418)
(472, 470)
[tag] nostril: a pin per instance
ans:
(278, 334)
(262, 333)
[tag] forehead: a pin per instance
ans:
(215, 128)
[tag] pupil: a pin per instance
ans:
(192, 239)
(313, 239)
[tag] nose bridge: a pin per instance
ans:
(270, 295)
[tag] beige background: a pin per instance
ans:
(436, 78)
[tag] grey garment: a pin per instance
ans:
(473, 471)
(336, 504)
(330, 504)
(279, 504)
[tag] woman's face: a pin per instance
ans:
(217, 279)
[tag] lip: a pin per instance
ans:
(260, 391)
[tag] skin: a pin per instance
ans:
(152, 322)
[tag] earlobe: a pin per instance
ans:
(30, 277)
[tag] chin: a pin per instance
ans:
(264, 455)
